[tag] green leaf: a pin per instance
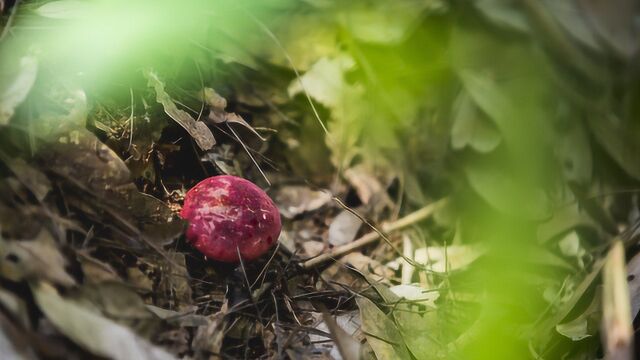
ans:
(506, 192)
(419, 332)
(569, 15)
(489, 97)
(620, 139)
(504, 13)
(325, 80)
(470, 128)
(373, 24)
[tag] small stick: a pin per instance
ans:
(617, 328)
(373, 236)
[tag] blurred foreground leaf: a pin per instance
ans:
(16, 80)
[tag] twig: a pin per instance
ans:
(373, 236)
(617, 328)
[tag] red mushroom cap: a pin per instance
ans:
(227, 213)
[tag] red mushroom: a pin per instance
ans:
(227, 215)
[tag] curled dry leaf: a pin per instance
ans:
(368, 187)
(295, 200)
(88, 165)
(208, 338)
(198, 130)
(218, 115)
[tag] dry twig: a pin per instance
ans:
(617, 329)
(373, 236)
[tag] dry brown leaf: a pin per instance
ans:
(197, 129)
(99, 335)
(295, 200)
(34, 259)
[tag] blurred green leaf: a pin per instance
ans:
(503, 13)
(370, 21)
(569, 15)
(615, 22)
(619, 138)
(16, 79)
(506, 193)
(471, 128)
(574, 151)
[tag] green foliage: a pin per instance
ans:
(517, 110)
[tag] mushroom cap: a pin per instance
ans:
(226, 214)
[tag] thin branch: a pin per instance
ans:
(375, 235)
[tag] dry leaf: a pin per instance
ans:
(34, 259)
(197, 129)
(344, 228)
(97, 334)
(295, 200)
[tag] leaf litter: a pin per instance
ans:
(92, 179)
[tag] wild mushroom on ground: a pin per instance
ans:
(230, 217)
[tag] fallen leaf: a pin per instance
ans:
(32, 178)
(197, 129)
(34, 259)
(208, 338)
(441, 259)
(347, 347)
(295, 200)
(312, 248)
(99, 335)
(344, 228)
(416, 294)
(368, 187)
(381, 333)
(584, 325)
(181, 318)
